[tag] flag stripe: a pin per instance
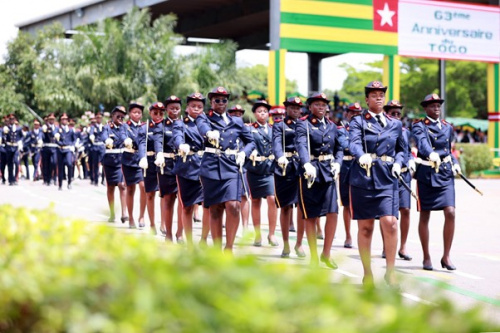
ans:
(359, 2)
(327, 21)
(309, 45)
(338, 35)
(341, 9)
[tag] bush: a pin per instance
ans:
(72, 276)
(475, 157)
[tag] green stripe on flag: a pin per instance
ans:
(308, 45)
(327, 21)
(391, 77)
(352, 2)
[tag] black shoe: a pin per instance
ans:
(195, 220)
(292, 229)
(348, 245)
(405, 256)
(69, 186)
(383, 254)
(124, 219)
(448, 267)
(328, 262)
(60, 188)
(428, 267)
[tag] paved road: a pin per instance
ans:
(476, 248)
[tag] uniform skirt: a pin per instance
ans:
(374, 204)
(151, 179)
(132, 175)
(167, 184)
(286, 190)
(190, 191)
(220, 191)
(344, 190)
(244, 184)
(404, 194)
(260, 186)
(113, 174)
(319, 200)
(435, 198)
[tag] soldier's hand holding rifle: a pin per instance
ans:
(283, 162)
(213, 138)
(184, 150)
(310, 174)
(435, 161)
(365, 161)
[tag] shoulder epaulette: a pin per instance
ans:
(304, 118)
(417, 121)
(255, 125)
(278, 120)
(340, 126)
(356, 115)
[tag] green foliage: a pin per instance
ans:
(475, 157)
(72, 276)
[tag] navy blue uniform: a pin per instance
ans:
(49, 154)
(165, 144)
(404, 194)
(25, 153)
(130, 159)
(147, 140)
(322, 138)
(436, 190)
(260, 165)
(348, 160)
(286, 186)
(65, 153)
(36, 143)
(96, 150)
(377, 195)
(112, 160)
(3, 158)
(12, 135)
(220, 174)
(188, 171)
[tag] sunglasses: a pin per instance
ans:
(395, 113)
(120, 117)
(223, 101)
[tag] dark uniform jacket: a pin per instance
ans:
(130, 156)
(367, 136)
(430, 138)
(35, 136)
(263, 146)
(118, 134)
(67, 138)
(322, 139)
(97, 131)
(186, 132)
(164, 143)
(223, 166)
(11, 138)
(343, 131)
(286, 127)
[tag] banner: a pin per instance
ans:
(445, 30)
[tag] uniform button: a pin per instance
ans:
(322, 144)
(447, 139)
(329, 137)
(230, 141)
(377, 144)
(436, 138)
(433, 147)
(445, 149)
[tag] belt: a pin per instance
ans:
(150, 153)
(169, 155)
(114, 151)
(199, 153)
(216, 151)
(383, 158)
(447, 159)
(322, 157)
(290, 154)
(348, 158)
(403, 170)
(98, 143)
(65, 147)
(11, 144)
(263, 158)
(130, 150)
(51, 145)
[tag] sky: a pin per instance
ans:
(332, 76)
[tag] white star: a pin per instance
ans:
(386, 15)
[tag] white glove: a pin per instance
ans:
(127, 142)
(283, 160)
(143, 163)
(365, 159)
(418, 160)
(44, 128)
(310, 170)
(160, 160)
(335, 170)
(20, 145)
(214, 135)
(412, 166)
(0, 141)
(109, 143)
(240, 158)
(72, 149)
(396, 170)
(254, 153)
(40, 142)
(92, 138)
(434, 157)
(5, 129)
(185, 148)
(57, 136)
(456, 169)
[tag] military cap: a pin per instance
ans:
(218, 91)
(374, 85)
(119, 108)
(25, 125)
(157, 106)
(98, 113)
(354, 107)
(36, 121)
(293, 101)
(172, 99)
(63, 116)
(394, 104)
(318, 97)
(12, 116)
(236, 108)
(135, 104)
(277, 111)
(71, 121)
(261, 102)
(431, 98)
(51, 116)
(195, 97)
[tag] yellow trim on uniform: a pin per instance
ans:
(327, 8)
(276, 194)
(302, 199)
(338, 34)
